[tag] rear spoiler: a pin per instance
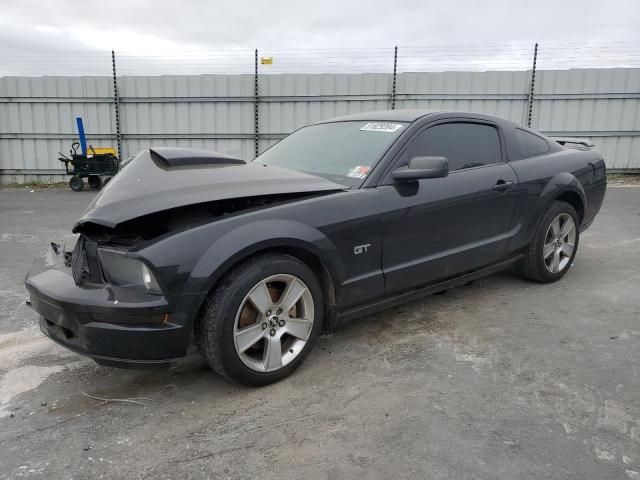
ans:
(576, 143)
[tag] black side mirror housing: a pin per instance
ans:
(422, 167)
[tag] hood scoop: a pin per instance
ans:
(184, 157)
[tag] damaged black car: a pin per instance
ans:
(339, 219)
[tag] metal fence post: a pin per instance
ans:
(395, 68)
(533, 82)
(255, 105)
(116, 100)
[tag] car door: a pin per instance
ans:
(437, 228)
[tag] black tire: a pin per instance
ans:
(76, 183)
(214, 329)
(95, 182)
(533, 266)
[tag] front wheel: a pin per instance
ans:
(554, 246)
(76, 183)
(262, 320)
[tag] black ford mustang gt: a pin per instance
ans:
(339, 219)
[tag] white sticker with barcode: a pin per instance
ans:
(381, 127)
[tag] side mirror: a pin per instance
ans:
(422, 167)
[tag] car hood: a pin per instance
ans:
(148, 184)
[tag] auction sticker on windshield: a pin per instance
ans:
(361, 171)
(381, 127)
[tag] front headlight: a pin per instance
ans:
(125, 271)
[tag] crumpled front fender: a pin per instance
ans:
(251, 238)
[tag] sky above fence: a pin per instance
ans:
(153, 37)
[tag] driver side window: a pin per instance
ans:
(465, 145)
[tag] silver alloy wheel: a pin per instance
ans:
(280, 324)
(559, 243)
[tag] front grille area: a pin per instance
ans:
(79, 262)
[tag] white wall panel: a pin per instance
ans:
(37, 114)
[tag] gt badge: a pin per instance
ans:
(358, 249)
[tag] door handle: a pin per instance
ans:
(502, 186)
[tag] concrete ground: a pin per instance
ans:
(503, 379)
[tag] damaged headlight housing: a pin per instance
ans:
(125, 271)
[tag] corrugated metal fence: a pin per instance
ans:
(216, 112)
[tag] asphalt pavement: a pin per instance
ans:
(502, 379)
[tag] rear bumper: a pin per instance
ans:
(114, 326)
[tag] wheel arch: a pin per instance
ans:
(573, 198)
(567, 188)
(303, 242)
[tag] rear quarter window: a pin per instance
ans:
(530, 144)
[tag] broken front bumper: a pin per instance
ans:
(113, 325)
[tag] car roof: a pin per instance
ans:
(411, 115)
(384, 115)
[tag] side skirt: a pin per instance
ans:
(369, 308)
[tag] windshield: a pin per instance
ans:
(344, 152)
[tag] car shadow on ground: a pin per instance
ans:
(443, 317)
(360, 338)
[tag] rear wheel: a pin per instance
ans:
(554, 246)
(95, 182)
(76, 183)
(262, 320)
